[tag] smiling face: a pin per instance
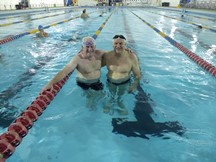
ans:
(119, 45)
(89, 50)
(88, 46)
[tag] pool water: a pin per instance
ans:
(170, 117)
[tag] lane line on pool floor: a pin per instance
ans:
(204, 64)
(144, 124)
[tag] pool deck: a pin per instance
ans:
(211, 13)
(28, 10)
(204, 12)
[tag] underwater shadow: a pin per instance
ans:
(145, 125)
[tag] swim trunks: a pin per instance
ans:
(96, 86)
(121, 83)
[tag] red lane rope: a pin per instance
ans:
(201, 62)
(19, 128)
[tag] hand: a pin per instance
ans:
(132, 88)
(47, 87)
(129, 50)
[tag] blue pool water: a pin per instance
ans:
(173, 90)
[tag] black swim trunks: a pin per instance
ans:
(96, 86)
(121, 83)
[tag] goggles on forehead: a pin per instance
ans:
(119, 36)
(88, 41)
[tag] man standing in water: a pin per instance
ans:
(120, 63)
(88, 65)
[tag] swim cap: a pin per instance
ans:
(40, 27)
(88, 41)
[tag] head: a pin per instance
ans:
(88, 44)
(119, 42)
(84, 11)
(200, 26)
(40, 28)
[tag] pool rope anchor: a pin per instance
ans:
(19, 128)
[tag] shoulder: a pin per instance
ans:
(131, 54)
(79, 56)
(46, 34)
(74, 61)
(108, 54)
(100, 52)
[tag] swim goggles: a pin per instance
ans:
(119, 36)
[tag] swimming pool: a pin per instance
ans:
(173, 89)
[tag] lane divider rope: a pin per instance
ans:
(199, 17)
(189, 13)
(201, 62)
(202, 44)
(19, 128)
(5, 40)
(16, 87)
(206, 27)
(24, 15)
(28, 20)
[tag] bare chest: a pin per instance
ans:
(89, 65)
(119, 65)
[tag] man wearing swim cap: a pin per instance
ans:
(87, 64)
(41, 33)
